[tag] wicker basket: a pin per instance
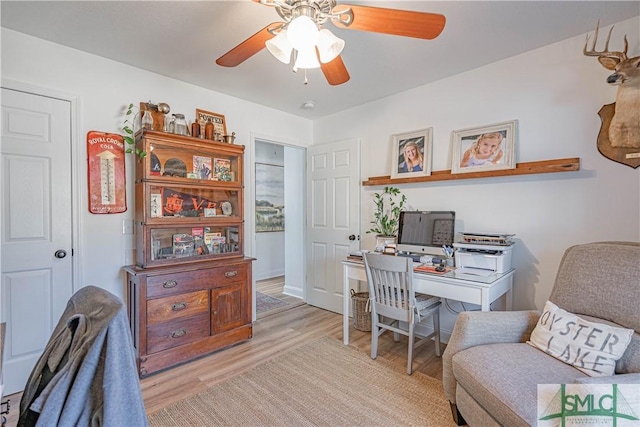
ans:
(360, 310)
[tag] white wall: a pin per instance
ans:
(295, 220)
(104, 87)
(555, 93)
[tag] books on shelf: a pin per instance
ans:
(183, 245)
(214, 242)
(222, 169)
(202, 167)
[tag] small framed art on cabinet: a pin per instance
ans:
(156, 205)
(219, 123)
(222, 170)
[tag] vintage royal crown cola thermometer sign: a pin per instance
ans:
(105, 154)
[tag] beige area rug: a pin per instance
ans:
(323, 383)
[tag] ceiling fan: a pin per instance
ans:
(302, 35)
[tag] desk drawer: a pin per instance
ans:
(168, 335)
(177, 306)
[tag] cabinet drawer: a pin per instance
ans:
(176, 333)
(177, 306)
(223, 276)
(179, 283)
(168, 284)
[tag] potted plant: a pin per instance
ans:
(128, 131)
(386, 217)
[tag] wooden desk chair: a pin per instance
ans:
(393, 300)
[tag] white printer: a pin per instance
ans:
(495, 258)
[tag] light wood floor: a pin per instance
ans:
(272, 336)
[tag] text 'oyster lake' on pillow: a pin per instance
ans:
(591, 347)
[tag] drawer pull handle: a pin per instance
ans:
(170, 284)
(231, 273)
(179, 333)
(179, 306)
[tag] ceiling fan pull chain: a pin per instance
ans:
(306, 81)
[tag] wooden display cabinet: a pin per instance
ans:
(187, 187)
(190, 291)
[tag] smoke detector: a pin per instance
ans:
(308, 105)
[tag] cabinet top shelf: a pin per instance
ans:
(189, 141)
(527, 168)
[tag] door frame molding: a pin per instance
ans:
(76, 217)
(249, 201)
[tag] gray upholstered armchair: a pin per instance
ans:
(491, 375)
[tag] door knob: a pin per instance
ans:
(60, 253)
(352, 237)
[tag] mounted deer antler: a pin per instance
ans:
(624, 130)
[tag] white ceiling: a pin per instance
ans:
(182, 39)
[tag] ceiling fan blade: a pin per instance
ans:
(249, 47)
(422, 25)
(335, 71)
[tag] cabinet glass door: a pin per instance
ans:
(178, 201)
(170, 243)
(196, 163)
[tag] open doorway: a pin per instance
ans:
(279, 220)
(271, 299)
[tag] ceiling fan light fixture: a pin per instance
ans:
(329, 46)
(302, 32)
(280, 47)
(306, 59)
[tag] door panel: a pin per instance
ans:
(228, 307)
(36, 222)
(334, 215)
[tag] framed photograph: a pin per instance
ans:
(484, 148)
(269, 198)
(412, 154)
(219, 123)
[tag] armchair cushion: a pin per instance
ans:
(474, 328)
(601, 280)
(502, 376)
(591, 347)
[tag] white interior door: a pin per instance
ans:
(36, 225)
(333, 217)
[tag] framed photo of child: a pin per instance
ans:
(411, 155)
(484, 148)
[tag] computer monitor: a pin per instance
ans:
(424, 232)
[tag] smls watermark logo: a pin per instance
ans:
(615, 405)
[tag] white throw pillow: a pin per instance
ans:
(591, 347)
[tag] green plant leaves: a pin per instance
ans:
(128, 134)
(387, 212)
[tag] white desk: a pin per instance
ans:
(452, 285)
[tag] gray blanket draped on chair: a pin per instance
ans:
(87, 373)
